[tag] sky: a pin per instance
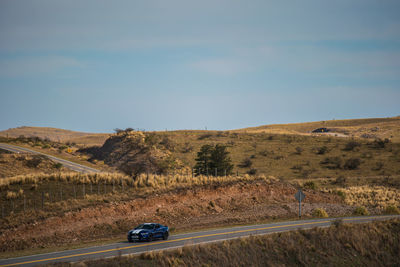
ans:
(161, 65)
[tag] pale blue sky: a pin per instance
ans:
(99, 65)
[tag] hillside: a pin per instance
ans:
(56, 135)
(283, 156)
(366, 128)
(12, 164)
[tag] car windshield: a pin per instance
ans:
(145, 226)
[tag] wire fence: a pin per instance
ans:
(23, 198)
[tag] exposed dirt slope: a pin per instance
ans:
(204, 206)
(135, 152)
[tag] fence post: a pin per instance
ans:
(42, 199)
(122, 185)
(61, 198)
(91, 188)
(105, 187)
(114, 185)
(24, 204)
(83, 190)
(192, 172)
(216, 172)
(225, 173)
(98, 187)
(74, 191)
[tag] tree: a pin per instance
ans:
(203, 160)
(213, 160)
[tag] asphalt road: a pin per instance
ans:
(68, 164)
(175, 241)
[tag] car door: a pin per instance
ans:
(158, 231)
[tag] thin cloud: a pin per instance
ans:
(22, 67)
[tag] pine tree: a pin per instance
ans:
(211, 158)
(203, 160)
(221, 161)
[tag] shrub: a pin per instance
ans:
(351, 145)
(322, 150)
(204, 136)
(299, 150)
(252, 171)
(379, 143)
(341, 194)
(341, 180)
(187, 148)
(35, 161)
(352, 164)
(378, 166)
(332, 162)
(320, 213)
(310, 185)
(338, 222)
(57, 165)
(246, 163)
(361, 210)
(391, 209)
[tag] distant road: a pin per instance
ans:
(175, 241)
(68, 164)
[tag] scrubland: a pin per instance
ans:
(339, 175)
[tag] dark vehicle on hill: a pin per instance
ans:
(148, 232)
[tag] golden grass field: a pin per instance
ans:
(57, 135)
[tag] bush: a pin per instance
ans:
(204, 136)
(299, 150)
(352, 164)
(341, 194)
(246, 163)
(361, 210)
(320, 213)
(57, 165)
(341, 180)
(351, 145)
(252, 171)
(338, 223)
(391, 209)
(35, 161)
(322, 150)
(379, 143)
(332, 162)
(310, 185)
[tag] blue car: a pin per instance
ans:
(148, 232)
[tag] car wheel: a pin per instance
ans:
(150, 238)
(165, 236)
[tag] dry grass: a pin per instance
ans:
(372, 196)
(372, 244)
(57, 135)
(69, 177)
(369, 128)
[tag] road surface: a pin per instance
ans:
(175, 241)
(68, 164)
